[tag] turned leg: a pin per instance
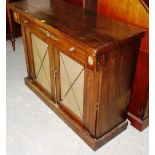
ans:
(11, 26)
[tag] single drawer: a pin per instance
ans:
(16, 17)
(76, 53)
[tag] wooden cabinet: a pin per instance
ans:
(81, 65)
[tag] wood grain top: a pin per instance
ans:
(89, 30)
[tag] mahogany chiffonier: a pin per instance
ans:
(80, 64)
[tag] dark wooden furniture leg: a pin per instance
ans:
(12, 39)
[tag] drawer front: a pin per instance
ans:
(66, 46)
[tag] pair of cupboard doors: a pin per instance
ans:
(55, 73)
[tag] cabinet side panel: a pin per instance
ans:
(115, 88)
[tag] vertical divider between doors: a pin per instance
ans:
(51, 51)
(57, 69)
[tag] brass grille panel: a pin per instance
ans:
(41, 62)
(72, 84)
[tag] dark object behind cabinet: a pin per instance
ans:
(138, 110)
(135, 13)
(13, 29)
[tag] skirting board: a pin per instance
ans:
(80, 130)
(138, 123)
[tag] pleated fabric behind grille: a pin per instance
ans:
(41, 62)
(72, 84)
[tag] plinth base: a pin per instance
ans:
(78, 128)
(138, 123)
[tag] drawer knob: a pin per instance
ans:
(72, 49)
(47, 33)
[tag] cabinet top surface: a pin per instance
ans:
(87, 29)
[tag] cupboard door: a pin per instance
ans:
(41, 52)
(72, 85)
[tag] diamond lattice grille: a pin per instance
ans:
(41, 62)
(72, 82)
